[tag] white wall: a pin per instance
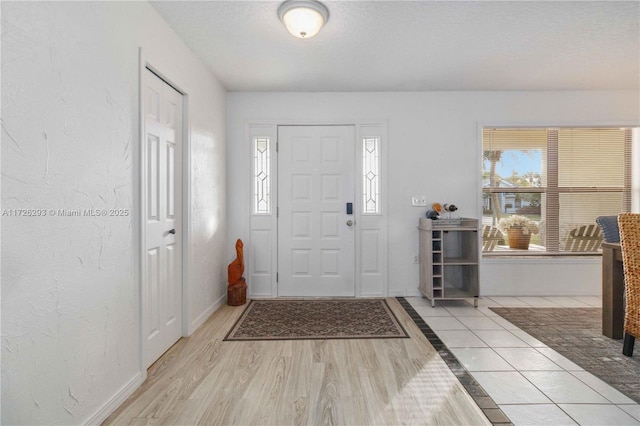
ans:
(70, 140)
(433, 150)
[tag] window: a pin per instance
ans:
(370, 175)
(559, 179)
(261, 175)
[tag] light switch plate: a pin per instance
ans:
(419, 201)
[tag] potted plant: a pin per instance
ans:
(519, 230)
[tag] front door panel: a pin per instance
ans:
(315, 183)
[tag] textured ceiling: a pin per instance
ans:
(417, 45)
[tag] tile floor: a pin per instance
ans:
(530, 382)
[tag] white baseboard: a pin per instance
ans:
(260, 296)
(117, 399)
(195, 324)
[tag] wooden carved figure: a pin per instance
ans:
(236, 268)
(237, 290)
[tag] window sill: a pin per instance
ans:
(549, 258)
(535, 250)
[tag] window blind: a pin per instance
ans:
(591, 177)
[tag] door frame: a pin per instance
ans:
(156, 66)
(261, 240)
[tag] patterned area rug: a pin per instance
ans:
(316, 319)
(576, 333)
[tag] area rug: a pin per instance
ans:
(316, 319)
(576, 333)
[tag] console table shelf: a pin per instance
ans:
(449, 254)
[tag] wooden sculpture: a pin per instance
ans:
(237, 290)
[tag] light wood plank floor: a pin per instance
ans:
(203, 380)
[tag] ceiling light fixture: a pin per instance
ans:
(303, 18)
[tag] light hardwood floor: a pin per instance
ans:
(203, 380)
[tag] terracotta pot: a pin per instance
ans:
(518, 239)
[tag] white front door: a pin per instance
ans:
(162, 213)
(315, 233)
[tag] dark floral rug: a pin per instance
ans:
(316, 319)
(576, 333)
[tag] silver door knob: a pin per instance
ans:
(349, 222)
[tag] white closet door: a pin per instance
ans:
(162, 210)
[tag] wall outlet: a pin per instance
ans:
(419, 201)
(415, 258)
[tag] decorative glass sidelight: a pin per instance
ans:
(261, 175)
(371, 175)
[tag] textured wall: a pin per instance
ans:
(70, 135)
(434, 150)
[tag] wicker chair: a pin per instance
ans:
(630, 242)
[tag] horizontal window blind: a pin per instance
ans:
(591, 158)
(591, 178)
(505, 139)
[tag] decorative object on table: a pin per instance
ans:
(630, 243)
(434, 213)
(519, 230)
(437, 209)
(237, 289)
(450, 208)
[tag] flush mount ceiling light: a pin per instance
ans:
(303, 18)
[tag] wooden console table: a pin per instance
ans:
(612, 291)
